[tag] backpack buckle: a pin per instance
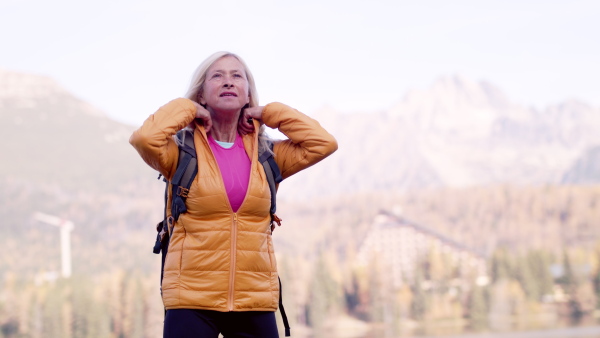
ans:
(183, 192)
(275, 220)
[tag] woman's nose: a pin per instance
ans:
(228, 82)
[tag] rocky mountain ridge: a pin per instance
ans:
(457, 133)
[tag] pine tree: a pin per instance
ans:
(570, 283)
(526, 279)
(419, 301)
(500, 266)
(568, 279)
(596, 278)
(115, 297)
(596, 282)
(325, 294)
(500, 304)
(133, 323)
(478, 308)
(52, 322)
(376, 284)
(99, 322)
(82, 303)
(539, 263)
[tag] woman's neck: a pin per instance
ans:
(224, 127)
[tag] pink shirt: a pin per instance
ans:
(234, 164)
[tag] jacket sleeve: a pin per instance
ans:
(154, 139)
(307, 143)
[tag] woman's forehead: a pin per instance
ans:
(227, 63)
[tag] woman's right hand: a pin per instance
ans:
(245, 124)
(204, 115)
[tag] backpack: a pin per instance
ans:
(187, 168)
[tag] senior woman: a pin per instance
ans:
(220, 272)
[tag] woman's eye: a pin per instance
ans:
(216, 75)
(237, 75)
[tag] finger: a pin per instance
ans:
(207, 124)
(248, 122)
(250, 126)
(243, 128)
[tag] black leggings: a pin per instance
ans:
(186, 323)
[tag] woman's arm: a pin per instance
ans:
(307, 143)
(154, 139)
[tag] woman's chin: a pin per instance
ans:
(227, 109)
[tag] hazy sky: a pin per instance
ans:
(128, 57)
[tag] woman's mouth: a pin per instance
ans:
(224, 94)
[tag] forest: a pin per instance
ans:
(541, 243)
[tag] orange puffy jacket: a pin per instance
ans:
(221, 260)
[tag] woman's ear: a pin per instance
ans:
(200, 98)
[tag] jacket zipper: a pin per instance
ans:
(233, 261)
(234, 224)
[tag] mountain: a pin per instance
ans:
(55, 138)
(586, 170)
(456, 133)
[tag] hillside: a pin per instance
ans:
(55, 138)
(481, 218)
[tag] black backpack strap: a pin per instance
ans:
(187, 168)
(161, 227)
(286, 324)
(273, 174)
(267, 160)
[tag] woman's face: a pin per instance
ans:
(226, 86)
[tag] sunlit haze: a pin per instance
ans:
(129, 57)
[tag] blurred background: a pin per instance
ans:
(464, 199)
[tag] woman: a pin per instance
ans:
(220, 272)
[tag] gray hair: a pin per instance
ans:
(197, 84)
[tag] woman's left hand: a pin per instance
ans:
(253, 113)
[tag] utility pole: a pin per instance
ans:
(66, 227)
